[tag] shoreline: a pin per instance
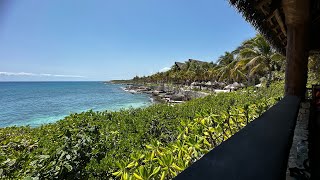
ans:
(139, 90)
(165, 93)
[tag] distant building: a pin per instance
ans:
(179, 65)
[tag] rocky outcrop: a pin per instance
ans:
(167, 93)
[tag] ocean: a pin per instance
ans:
(37, 103)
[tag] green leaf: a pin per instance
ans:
(163, 175)
(155, 171)
(137, 176)
(118, 173)
(44, 156)
(132, 164)
(11, 162)
(26, 178)
(177, 167)
(69, 167)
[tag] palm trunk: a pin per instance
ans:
(269, 77)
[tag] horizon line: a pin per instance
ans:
(57, 81)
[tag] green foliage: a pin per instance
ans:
(156, 142)
(314, 67)
(252, 60)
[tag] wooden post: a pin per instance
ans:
(297, 16)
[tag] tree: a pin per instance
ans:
(259, 57)
(225, 59)
(314, 69)
(226, 65)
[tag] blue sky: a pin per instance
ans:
(112, 39)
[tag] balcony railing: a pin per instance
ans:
(258, 151)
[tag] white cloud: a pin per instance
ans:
(38, 75)
(164, 69)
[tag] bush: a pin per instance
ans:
(156, 142)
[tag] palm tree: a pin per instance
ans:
(212, 75)
(227, 71)
(191, 76)
(238, 74)
(226, 59)
(258, 56)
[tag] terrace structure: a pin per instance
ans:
(261, 149)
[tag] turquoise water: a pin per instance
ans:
(36, 103)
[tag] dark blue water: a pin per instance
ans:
(36, 103)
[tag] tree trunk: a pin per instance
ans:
(269, 77)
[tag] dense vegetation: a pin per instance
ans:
(249, 62)
(253, 62)
(156, 142)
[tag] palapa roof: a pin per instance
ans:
(267, 16)
(196, 61)
(179, 64)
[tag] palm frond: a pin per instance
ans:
(248, 52)
(256, 69)
(255, 60)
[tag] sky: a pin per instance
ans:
(87, 40)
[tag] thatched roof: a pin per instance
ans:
(196, 61)
(267, 16)
(179, 65)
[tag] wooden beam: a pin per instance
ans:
(276, 14)
(279, 34)
(280, 22)
(269, 18)
(275, 28)
(262, 3)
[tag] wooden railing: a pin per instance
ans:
(258, 151)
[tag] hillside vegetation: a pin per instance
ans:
(253, 62)
(156, 142)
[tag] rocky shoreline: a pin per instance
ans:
(165, 93)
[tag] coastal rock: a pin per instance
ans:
(178, 97)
